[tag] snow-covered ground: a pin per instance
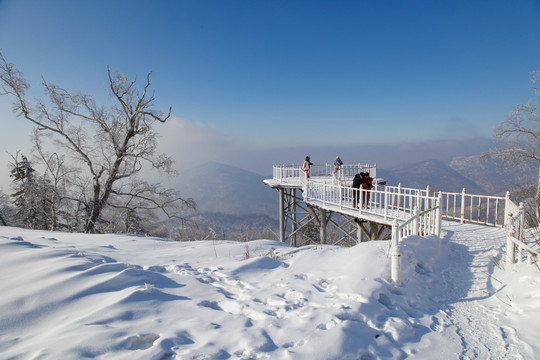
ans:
(73, 296)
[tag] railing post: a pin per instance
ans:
(426, 200)
(463, 192)
(417, 200)
(360, 199)
(399, 197)
(340, 196)
(385, 203)
(510, 246)
(396, 255)
(415, 222)
(438, 212)
(521, 222)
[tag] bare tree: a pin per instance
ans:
(57, 174)
(109, 143)
(520, 133)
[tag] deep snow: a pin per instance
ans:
(73, 296)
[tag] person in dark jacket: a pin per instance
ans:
(337, 164)
(357, 181)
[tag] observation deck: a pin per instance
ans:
(391, 212)
(326, 192)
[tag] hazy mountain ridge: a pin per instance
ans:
(228, 223)
(220, 188)
(490, 174)
(433, 173)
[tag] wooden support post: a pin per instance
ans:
(359, 234)
(363, 228)
(323, 222)
(374, 230)
(293, 214)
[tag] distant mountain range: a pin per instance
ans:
(219, 188)
(438, 175)
(225, 194)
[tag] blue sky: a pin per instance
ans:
(259, 75)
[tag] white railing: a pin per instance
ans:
(422, 223)
(517, 250)
(478, 209)
(388, 202)
(493, 211)
(421, 210)
(287, 172)
(295, 172)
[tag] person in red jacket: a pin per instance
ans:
(367, 185)
(307, 166)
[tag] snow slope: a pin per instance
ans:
(73, 296)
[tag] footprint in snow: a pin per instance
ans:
(436, 324)
(210, 304)
(384, 300)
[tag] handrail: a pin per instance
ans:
(479, 209)
(419, 210)
(345, 171)
(417, 217)
(515, 249)
(413, 226)
(385, 202)
(398, 203)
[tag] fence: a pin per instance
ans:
(421, 210)
(295, 172)
(388, 202)
(421, 223)
(493, 211)
(287, 172)
(478, 209)
(517, 250)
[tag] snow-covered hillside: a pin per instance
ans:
(72, 296)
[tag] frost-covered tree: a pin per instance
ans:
(7, 210)
(520, 134)
(57, 174)
(31, 196)
(108, 144)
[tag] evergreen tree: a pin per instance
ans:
(31, 196)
